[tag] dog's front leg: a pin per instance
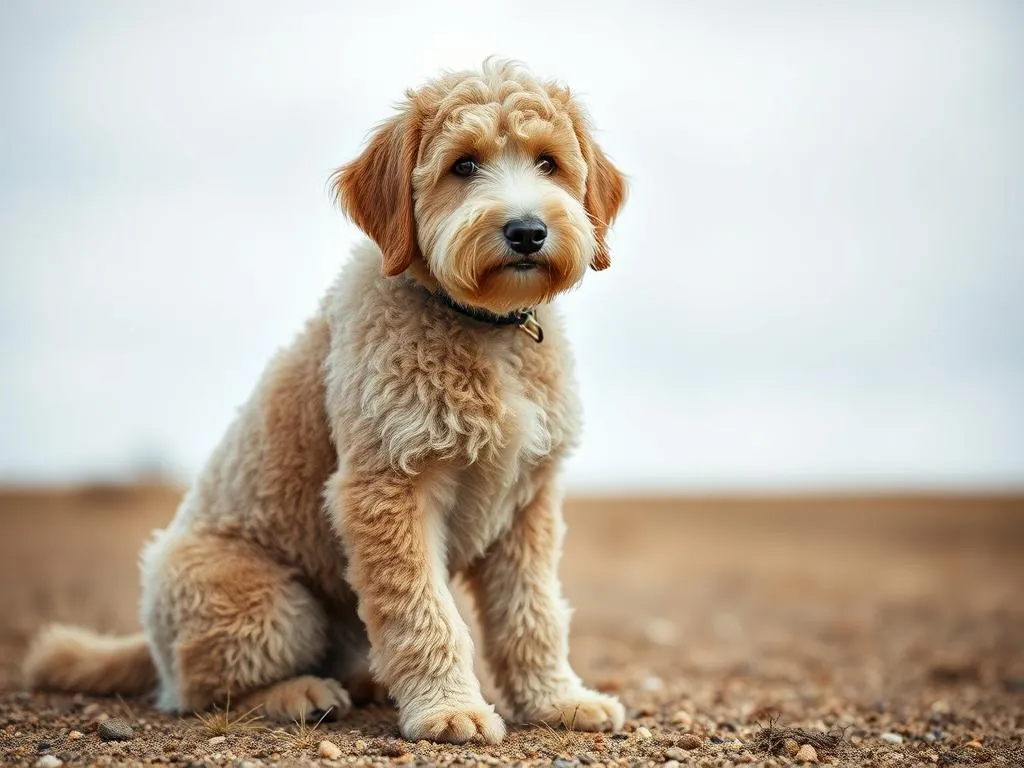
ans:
(420, 648)
(525, 623)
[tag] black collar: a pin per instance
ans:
(523, 319)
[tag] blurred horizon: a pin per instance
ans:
(817, 282)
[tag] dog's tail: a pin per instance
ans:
(66, 658)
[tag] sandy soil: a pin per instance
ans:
(894, 624)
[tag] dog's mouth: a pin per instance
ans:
(523, 265)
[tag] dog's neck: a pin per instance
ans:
(523, 319)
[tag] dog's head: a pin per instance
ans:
(488, 185)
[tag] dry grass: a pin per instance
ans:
(126, 709)
(221, 722)
(304, 736)
(564, 741)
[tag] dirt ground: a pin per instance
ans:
(891, 630)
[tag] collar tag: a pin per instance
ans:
(529, 325)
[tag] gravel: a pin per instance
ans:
(841, 613)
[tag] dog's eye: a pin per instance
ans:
(546, 164)
(465, 166)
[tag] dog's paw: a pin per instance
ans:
(584, 711)
(456, 726)
(305, 700)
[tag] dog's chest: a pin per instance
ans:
(488, 492)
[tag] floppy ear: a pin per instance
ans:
(605, 192)
(375, 190)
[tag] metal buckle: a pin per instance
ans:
(529, 325)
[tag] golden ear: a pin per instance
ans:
(605, 192)
(375, 190)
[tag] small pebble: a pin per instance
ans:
(682, 717)
(791, 747)
(670, 764)
(360, 745)
(217, 740)
(689, 741)
(974, 745)
(652, 683)
(115, 729)
(892, 738)
(643, 733)
(807, 754)
(75, 735)
(48, 761)
(675, 753)
(661, 632)
(329, 750)
(941, 707)
(564, 764)
(1014, 684)
(392, 749)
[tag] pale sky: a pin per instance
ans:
(817, 282)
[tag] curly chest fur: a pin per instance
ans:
(480, 413)
(484, 495)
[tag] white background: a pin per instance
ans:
(818, 280)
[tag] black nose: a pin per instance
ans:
(525, 236)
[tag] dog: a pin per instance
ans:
(414, 431)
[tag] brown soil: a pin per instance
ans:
(840, 619)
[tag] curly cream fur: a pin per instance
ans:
(392, 445)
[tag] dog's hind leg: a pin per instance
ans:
(230, 625)
(348, 659)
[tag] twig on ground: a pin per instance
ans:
(772, 738)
